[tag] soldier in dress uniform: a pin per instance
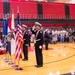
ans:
(26, 42)
(38, 44)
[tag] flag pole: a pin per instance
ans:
(4, 35)
(13, 37)
(10, 30)
(10, 56)
(20, 54)
(17, 59)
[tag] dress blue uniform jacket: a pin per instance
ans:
(26, 37)
(39, 37)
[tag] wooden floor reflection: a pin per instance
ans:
(59, 59)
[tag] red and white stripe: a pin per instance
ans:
(19, 42)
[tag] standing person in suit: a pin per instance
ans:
(46, 39)
(26, 42)
(38, 44)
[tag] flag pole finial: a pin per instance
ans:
(6, 16)
(17, 9)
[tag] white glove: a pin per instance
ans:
(40, 47)
(33, 28)
(27, 45)
(34, 41)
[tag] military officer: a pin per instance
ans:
(38, 44)
(26, 42)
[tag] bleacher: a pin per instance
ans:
(53, 14)
(72, 11)
(53, 10)
(1, 9)
(28, 10)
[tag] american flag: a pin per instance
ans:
(19, 40)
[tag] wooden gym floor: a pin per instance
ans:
(59, 59)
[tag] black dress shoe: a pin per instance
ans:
(38, 66)
(24, 59)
